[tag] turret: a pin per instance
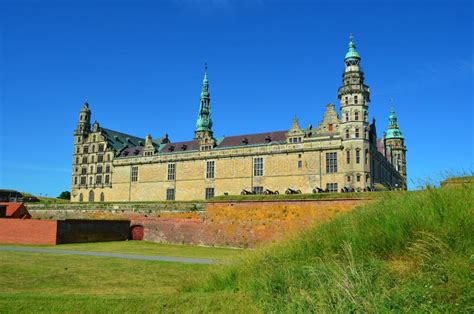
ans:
(354, 97)
(395, 149)
(203, 131)
(84, 125)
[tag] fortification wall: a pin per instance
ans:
(27, 231)
(235, 224)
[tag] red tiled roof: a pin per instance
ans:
(253, 139)
(16, 210)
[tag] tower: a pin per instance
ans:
(395, 149)
(84, 125)
(354, 97)
(203, 131)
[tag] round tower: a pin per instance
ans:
(395, 149)
(354, 97)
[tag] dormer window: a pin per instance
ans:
(171, 148)
(245, 141)
(268, 139)
(184, 147)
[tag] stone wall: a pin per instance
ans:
(234, 224)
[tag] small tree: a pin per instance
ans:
(66, 195)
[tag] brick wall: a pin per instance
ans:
(28, 231)
(235, 224)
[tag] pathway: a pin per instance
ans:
(115, 255)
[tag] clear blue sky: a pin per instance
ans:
(140, 64)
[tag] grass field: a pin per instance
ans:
(39, 282)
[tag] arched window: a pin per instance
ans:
(81, 198)
(91, 196)
(102, 197)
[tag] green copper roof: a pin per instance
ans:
(204, 122)
(352, 53)
(393, 130)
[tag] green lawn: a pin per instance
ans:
(39, 282)
(149, 248)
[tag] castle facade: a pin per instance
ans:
(342, 153)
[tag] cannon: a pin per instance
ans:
(267, 192)
(291, 191)
(246, 192)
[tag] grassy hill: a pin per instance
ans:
(409, 251)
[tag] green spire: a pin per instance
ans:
(204, 122)
(352, 55)
(393, 130)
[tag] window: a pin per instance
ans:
(366, 156)
(300, 164)
(75, 180)
(93, 138)
(358, 156)
(358, 178)
(98, 179)
(348, 156)
(348, 178)
(101, 147)
(210, 166)
(356, 115)
(366, 118)
(84, 170)
(92, 158)
(258, 189)
(347, 100)
(84, 160)
(102, 197)
(100, 158)
(347, 133)
(107, 179)
(81, 198)
(134, 174)
(171, 171)
(357, 133)
(331, 162)
(107, 157)
(92, 169)
(77, 160)
(99, 169)
(209, 193)
(355, 99)
(331, 187)
(170, 195)
(330, 127)
(83, 180)
(258, 167)
(90, 180)
(77, 150)
(93, 147)
(107, 168)
(347, 116)
(86, 149)
(91, 196)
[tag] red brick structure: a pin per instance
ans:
(35, 231)
(28, 231)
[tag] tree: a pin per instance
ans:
(66, 195)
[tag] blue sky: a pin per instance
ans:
(140, 65)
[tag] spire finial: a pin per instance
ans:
(205, 67)
(351, 37)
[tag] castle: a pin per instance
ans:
(342, 153)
